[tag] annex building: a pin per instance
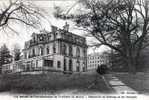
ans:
(96, 59)
(58, 50)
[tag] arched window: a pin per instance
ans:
(78, 52)
(41, 51)
(70, 51)
(33, 52)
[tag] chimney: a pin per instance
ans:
(53, 28)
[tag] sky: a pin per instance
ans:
(10, 39)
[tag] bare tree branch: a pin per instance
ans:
(21, 11)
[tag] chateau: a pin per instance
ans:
(58, 50)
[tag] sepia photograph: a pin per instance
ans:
(74, 49)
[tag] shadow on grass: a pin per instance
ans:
(51, 83)
(138, 82)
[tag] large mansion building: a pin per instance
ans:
(58, 50)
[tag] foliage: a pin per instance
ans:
(5, 56)
(19, 11)
(17, 52)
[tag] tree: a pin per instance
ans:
(20, 11)
(16, 52)
(5, 56)
(122, 25)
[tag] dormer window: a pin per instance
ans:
(49, 37)
(58, 35)
(41, 38)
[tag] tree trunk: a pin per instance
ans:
(131, 65)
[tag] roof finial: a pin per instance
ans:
(66, 26)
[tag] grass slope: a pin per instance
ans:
(138, 82)
(52, 83)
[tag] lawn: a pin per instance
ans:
(52, 83)
(138, 82)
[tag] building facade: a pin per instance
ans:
(96, 59)
(58, 50)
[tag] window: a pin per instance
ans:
(41, 51)
(64, 64)
(25, 55)
(36, 63)
(49, 37)
(32, 65)
(47, 50)
(58, 64)
(70, 51)
(48, 63)
(28, 66)
(41, 38)
(29, 56)
(83, 69)
(78, 52)
(34, 39)
(54, 48)
(70, 65)
(64, 49)
(33, 52)
(78, 66)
